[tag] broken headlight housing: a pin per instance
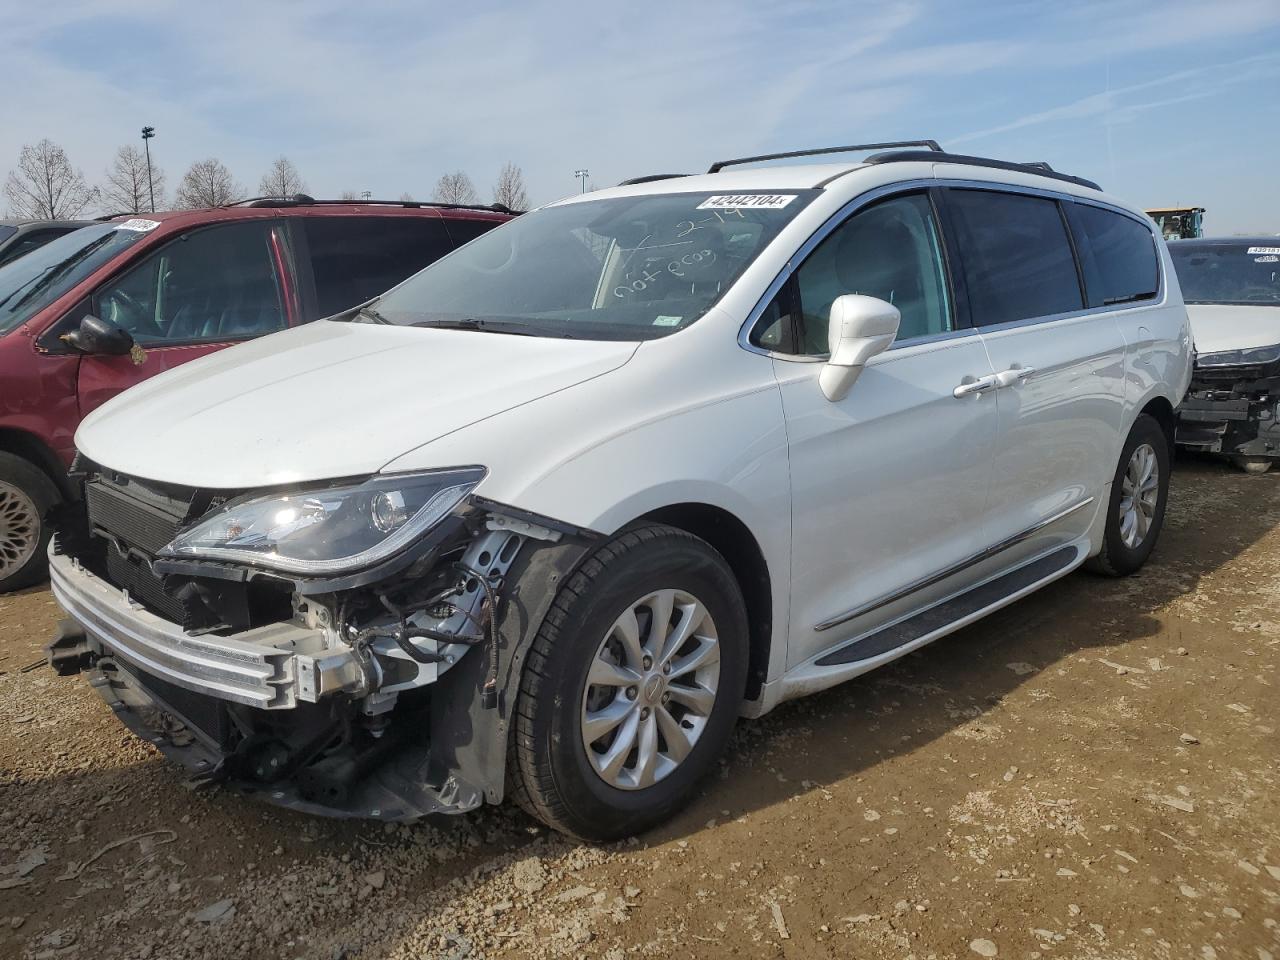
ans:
(1239, 358)
(327, 530)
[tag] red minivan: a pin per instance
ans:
(95, 311)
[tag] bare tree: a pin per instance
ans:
(126, 189)
(45, 186)
(282, 180)
(348, 195)
(406, 197)
(509, 190)
(207, 183)
(456, 188)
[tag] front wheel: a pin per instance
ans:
(1139, 493)
(632, 686)
(26, 494)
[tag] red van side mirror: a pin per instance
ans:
(95, 335)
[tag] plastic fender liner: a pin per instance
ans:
(469, 742)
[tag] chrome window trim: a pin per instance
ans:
(909, 186)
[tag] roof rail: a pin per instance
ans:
(302, 200)
(855, 148)
(1038, 167)
(652, 177)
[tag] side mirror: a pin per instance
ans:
(95, 335)
(860, 327)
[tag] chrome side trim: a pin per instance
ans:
(939, 576)
(259, 667)
(908, 186)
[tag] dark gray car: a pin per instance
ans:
(18, 236)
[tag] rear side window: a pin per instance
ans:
(1016, 256)
(1118, 255)
(354, 259)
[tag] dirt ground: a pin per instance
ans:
(1092, 772)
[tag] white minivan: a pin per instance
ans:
(546, 518)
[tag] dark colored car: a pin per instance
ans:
(22, 236)
(100, 309)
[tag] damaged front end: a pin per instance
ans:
(373, 689)
(1233, 404)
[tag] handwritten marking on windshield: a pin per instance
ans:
(673, 267)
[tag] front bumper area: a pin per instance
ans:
(271, 667)
(387, 782)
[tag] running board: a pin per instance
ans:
(957, 608)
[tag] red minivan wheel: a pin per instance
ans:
(26, 494)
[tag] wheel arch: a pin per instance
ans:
(1159, 408)
(31, 448)
(734, 541)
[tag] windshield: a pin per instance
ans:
(629, 268)
(35, 280)
(1240, 273)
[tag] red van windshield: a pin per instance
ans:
(34, 281)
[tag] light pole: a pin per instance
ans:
(582, 175)
(147, 134)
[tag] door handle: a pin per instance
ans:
(971, 387)
(1007, 378)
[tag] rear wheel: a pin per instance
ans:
(1252, 464)
(1139, 492)
(632, 686)
(26, 494)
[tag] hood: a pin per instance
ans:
(1221, 327)
(327, 399)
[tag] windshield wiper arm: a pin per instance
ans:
(479, 326)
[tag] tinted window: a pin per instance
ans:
(890, 251)
(220, 283)
(1016, 256)
(1118, 254)
(29, 284)
(356, 258)
(1244, 273)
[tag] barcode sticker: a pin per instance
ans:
(765, 201)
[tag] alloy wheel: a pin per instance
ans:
(1139, 495)
(19, 529)
(650, 689)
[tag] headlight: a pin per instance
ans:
(331, 529)
(1239, 358)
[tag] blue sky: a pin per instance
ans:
(1162, 102)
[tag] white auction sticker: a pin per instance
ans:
(767, 201)
(1262, 250)
(141, 226)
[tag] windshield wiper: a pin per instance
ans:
(373, 315)
(55, 272)
(479, 326)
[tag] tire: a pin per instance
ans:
(1118, 557)
(26, 494)
(568, 783)
(1252, 464)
